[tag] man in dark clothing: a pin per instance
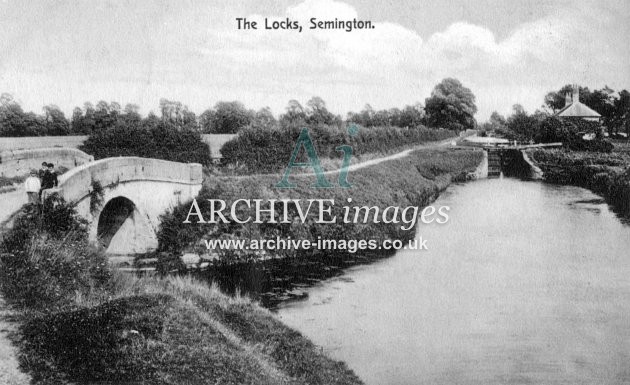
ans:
(42, 171)
(49, 179)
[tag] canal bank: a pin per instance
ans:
(603, 173)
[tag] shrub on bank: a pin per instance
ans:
(605, 174)
(162, 141)
(266, 150)
(45, 260)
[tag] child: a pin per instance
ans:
(32, 186)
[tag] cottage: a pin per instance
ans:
(573, 108)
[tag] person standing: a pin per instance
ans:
(32, 185)
(50, 178)
(42, 171)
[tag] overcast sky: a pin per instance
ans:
(507, 52)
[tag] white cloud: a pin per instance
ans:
(194, 53)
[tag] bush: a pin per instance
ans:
(569, 131)
(45, 260)
(162, 141)
(595, 145)
(264, 150)
(605, 174)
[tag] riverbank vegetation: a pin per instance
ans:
(267, 150)
(83, 323)
(414, 180)
(605, 174)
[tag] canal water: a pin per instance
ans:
(528, 283)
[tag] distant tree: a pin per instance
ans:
(206, 120)
(394, 115)
(556, 100)
(496, 125)
(104, 118)
(188, 120)
(75, 121)
(225, 118)
(620, 118)
(411, 116)
(520, 125)
(178, 115)
(264, 118)
(15, 122)
(151, 121)
(55, 121)
(130, 116)
(451, 105)
(295, 114)
(317, 113)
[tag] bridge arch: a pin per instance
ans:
(125, 214)
(121, 229)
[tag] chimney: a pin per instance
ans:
(567, 99)
(576, 93)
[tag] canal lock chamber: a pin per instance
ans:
(510, 163)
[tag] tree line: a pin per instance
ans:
(451, 105)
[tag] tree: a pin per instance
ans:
(411, 116)
(15, 122)
(521, 126)
(556, 100)
(451, 106)
(294, 116)
(317, 113)
(131, 116)
(226, 118)
(56, 122)
(620, 118)
(264, 118)
(496, 124)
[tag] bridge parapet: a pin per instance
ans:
(20, 162)
(77, 183)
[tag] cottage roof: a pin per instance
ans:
(578, 109)
(575, 108)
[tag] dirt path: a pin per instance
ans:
(10, 373)
(11, 202)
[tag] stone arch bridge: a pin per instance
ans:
(135, 191)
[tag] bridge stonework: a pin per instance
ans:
(20, 162)
(135, 192)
